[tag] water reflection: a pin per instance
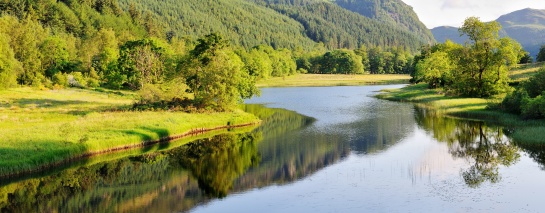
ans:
(177, 179)
(484, 147)
(216, 162)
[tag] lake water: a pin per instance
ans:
(320, 149)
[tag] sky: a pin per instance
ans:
(434, 13)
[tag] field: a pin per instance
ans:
(44, 128)
(309, 80)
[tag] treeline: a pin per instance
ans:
(373, 60)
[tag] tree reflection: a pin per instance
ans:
(218, 161)
(485, 147)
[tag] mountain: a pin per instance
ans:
(443, 33)
(526, 26)
(394, 12)
(287, 23)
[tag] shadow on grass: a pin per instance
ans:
(47, 103)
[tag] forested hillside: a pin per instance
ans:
(394, 12)
(280, 23)
(243, 23)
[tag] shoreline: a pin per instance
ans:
(166, 139)
(527, 132)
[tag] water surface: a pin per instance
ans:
(320, 149)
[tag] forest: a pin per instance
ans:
(140, 46)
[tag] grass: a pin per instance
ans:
(309, 80)
(41, 128)
(528, 132)
(524, 72)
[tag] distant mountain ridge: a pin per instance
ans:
(527, 26)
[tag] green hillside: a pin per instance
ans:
(279, 23)
(394, 12)
(242, 22)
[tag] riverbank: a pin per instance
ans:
(313, 80)
(44, 128)
(528, 132)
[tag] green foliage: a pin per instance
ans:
(284, 24)
(484, 62)
(533, 108)
(514, 101)
(341, 62)
(541, 55)
(479, 69)
(525, 58)
(528, 100)
(436, 69)
(393, 12)
(142, 62)
(215, 74)
(9, 66)
(536, 84)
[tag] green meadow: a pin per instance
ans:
(44, 128)
(312, 80)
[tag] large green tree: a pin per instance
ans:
(484, 61)
(9, 66)
(215, 74)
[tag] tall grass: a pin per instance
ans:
(40, 128)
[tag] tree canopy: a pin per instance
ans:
(477, 69)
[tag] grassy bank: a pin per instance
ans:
(529, 132)
(310, 80)
(41, 128)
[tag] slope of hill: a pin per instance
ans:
(279, 23)
(390, 11)
(443, 33)
(526, 26)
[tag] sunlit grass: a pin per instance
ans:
(524, 72)
(333, 80)
(531, 132)
(43, 127)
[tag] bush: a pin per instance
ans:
(534, 108)
(536, 84)
(513, 101)
(60, 79)
(76, 79)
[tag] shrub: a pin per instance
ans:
(60, 79)
(536, 84)
(513, 101)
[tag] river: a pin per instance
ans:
(319, 149)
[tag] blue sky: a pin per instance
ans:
(434, 13)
